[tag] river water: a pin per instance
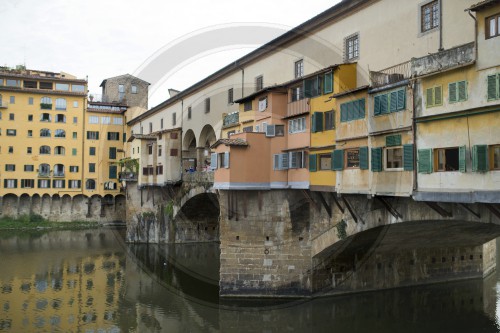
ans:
(91, 281)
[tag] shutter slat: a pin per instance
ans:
(492, 87)
(401, 99)
(462, 90)
(376, 106)
(438, 95)
(363, 158)
(376, 159)
(461, 159)
(480, 158)
(452, 92)
(425, 161)
(338, 160)
(362, 108)
(429, 97)
(384, 104)
(408, 157)
(313, 158)
(393, 101)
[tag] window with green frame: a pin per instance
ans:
(457, 91)
(352, 110)
(434, 96)
(328, 83)
(493, 89)
(392, 101)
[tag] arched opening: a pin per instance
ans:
(66, 204)
(207, 139)
(9, 206)
(36, 204)
(46, 202)
(24, 204)
(198, 219)
(56, 204)
(189, 151)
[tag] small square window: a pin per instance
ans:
(134, 89)
(429, 16)
(28, 150)
(75, 104)
(394, 158)
(30, 117)
(75, 135)
(352, 47)
(259, 83)
(30, 133)
(11, 116)
(12, 100)
(30, 100)
(91, 167)
(92, 151)
(75, 120)
(352, 158)
(299, 68)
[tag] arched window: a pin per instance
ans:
(59, 150)
(59, 133)
(60, 118)
(44, 150)
(90, 184)
(60, 104)
(59, 170)
(45, 133)
(45, 117)
(46, 103)
(44, 170)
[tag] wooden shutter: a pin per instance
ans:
(313, 162)
(452, 92)
(429, 97)
(461, 159)
(213, 161)
(328, 84)
(393, 140)
(270, 130)
(112, 171)
(376, 159)
(393, 101)
(376, 106)
(362, 108)
(480, 158)
(363, 158)
(462, 90)
(401, 99)
(350, 111)
(226, 159)
(492, 87)
(284, 161)
(343, 112)
(438, 95)
(384, 107)
(338, 160)
(317, 122)
(408, 157)
(425, 161)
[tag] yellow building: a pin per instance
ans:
(41, 115)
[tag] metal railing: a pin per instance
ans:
(391, 74)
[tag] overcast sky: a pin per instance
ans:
(101, 38)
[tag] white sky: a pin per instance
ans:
(106, 38)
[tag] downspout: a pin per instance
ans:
(441, 25)
(182, 136)
(414, 129)
(475, 33)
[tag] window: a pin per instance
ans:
(299, 68)
(60, 133)
(12, 83)
(352, 158)
(259, 83)
(11, 132)
(44, 150)
(248, 129)
(312, 86)
(73, 168)
(27, 183)
(133, 89)
(174, 152)
(60, 104)
(247, 106)
(74, 183)
(113, 171)
(30, 101)
(62, 86)
(75, 120)
(46, 103)
(189, 112)
(434, 96)
(11, 116)
(30, 84)
(30, 133)
(224, 160)
(90, 184)
(29, 168)
(174, 119)
(230, 93)
(60, 118)
(45, 133)
(44, 170)
(207, 105)
(10, 183)
(429, 16)
(352, 110)
(325, 162)
(394, 158)
(352, 47)
(11, 150)
(92, 151)
(159, 169)
(296, 93)
(117, 121)
(91, 167)
(30, 117)
(92, 135)
(329, 120)
(45, 117)
(389, 102)
(29, 150)
(297, 125)
(281, 161)
(105, 120)
(114, 136)
(457, 91)
(297, 159)
(93, 120)
(148, 171)
(43, 183)
(12, 100)
(328, 82)
(112, 153)
(74, 151)
(121, 92)
(150, 149)
(493, 26)
(446, 159)
(75, 104)
(10, 167)
(75, 135)
(150, 127)
(77, 88)
(58, 170)
(58, 183)
(159, 150)
(493, 87)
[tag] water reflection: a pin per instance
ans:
(90, 281)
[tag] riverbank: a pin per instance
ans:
(36, 223)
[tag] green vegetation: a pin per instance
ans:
(34, 222)
(341, 229)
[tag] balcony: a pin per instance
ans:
(444, 60)
(391, 75)
(3, 104)
(127, 176)
(44, 174)
(298, 107)
(231, 119)
(58, 174)
(45, 106)
(198, 177)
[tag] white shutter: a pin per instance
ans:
(284, 161)
(264, 127)
(226, 159)
(277, 160)
(270, 130)
(213, 161)
(293, 160)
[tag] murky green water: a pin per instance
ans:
(91, 281)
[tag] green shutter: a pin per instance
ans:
(363, 158)
(376, 159)
(308, 88)
(393, 101)
(376, 105)
(73, 151)
(429, 97)
(124, 137)
(438, 95)
(328, 86)
(338, 160)
(112, 153)
(492, 87)
(452, 92)
(112, 171)
(317, 122)
(313, 162)
(350, 111)
(461, 159)
(393, 140)
(343, 112)
(362, 108)
(480, 158)
(401, 99)
(408, 157)
(384, 101)
(313, 123)
(425, 161)
(462, 90)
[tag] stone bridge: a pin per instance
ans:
(291, 243)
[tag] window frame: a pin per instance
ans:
(346, 160)
(487, 25)
(259, 82)
(386, 157)
(436, 161)
(297, 125)
(491, 154)
(320, 162)
(299, 68)
(351, 42)
(432, 19)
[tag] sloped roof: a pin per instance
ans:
(483, 4)
(230, 142)
(141, 137)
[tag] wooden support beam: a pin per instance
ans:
(349, 208)
(467, 208)
(438, 209)
(325, 204)
(309, 198)
(337, 202)
(389, 207)
(494, 210)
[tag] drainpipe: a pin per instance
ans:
(414, 129)
(182, 135)
(475, 33)
(441, 25)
